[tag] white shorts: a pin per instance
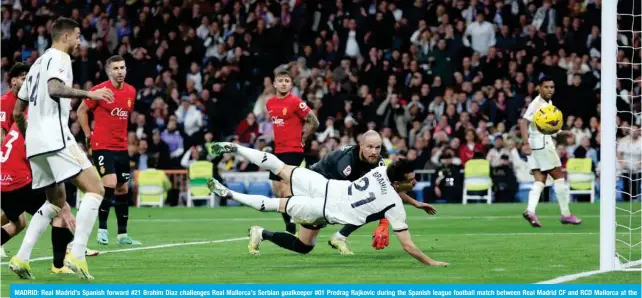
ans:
(56, 167)
(304, 182)
(544, 159)
(306, 210)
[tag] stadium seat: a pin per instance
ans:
(153, 185)
(259, 188)
(477, 179)
(237, 187)
(419, 189)
(581, 179)
(199, 173)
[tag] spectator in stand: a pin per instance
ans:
(469, 147)
(248, 130)
(172, 137)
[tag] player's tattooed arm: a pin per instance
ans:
(19, 115)
(57, 88)
(310, 126)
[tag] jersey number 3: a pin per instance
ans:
(13, 136)
(371, 196)
(33, 88)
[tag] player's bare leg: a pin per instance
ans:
(563, 197)
(89, 183)
(533, 198)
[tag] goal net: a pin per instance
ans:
(621, 149)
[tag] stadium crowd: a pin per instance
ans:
(440, 79)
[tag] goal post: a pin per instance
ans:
(620, 78)
(608, 111)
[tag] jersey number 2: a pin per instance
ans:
(371, 196)
(33, 88)
(13, 136)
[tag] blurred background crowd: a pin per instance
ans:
(439, 79)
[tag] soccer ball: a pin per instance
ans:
(548, 119)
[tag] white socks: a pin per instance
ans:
(262, 159)
(38, 224)
(257, 202)
(85, 220)
(533, 196)
(561, 192)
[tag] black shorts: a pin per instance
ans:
(289, 158)
(21, 200)
(112, 162)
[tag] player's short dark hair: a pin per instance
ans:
(62, 26)
(545, 79)
(282, 73)
(115, 58)
(398, 170)
(18, 69)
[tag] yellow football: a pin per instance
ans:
(548, 119)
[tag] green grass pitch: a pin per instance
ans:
(483, 243)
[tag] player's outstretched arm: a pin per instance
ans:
(419, 205)
(411, 248)
(57, 88)
(19, 115)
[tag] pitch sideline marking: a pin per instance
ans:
(102, 252)
(572, 277)
(279, 219)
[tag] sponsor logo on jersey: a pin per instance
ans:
(347, 171)
(3, 116)
(278, 121)
(120, 113)
(6, 178)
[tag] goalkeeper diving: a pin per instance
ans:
(317, 201)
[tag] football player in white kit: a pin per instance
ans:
(543, 159)
(53, 153)
(317, 201)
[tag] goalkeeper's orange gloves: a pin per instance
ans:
(380, 238)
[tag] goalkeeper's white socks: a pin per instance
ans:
(563, 199)
(257, 202)
(533, 196)
(85, 220)
(39, 223)
(262, 159)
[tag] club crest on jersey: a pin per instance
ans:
(285, 111)
(129, 102)
(102, 170)
(347, 171)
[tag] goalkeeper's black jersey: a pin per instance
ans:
(344, 164)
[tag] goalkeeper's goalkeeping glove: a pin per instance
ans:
(380, 238)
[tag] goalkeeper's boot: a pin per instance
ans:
(63, 270)
(21, 268)
(340, 244)
(2, 253)
(102, 237)
(571, 220)
(78, 266)
(126, 240)
(532, 219)
(256, 237)
(220, 148)
(218, 188)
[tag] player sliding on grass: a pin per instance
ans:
(317, 201)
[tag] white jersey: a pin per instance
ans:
(536, 139)
(47, 130)
(368, 199)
